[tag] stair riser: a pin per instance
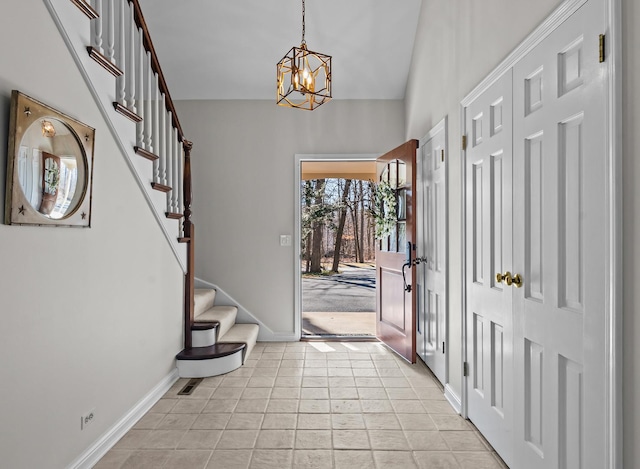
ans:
(224, 315)
(212, 367)
(203, 338)
(203, 299)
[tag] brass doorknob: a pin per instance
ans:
(506, 277)
(518, 281)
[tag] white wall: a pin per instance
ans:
(89, 318)
(458, 43)
(243, 165)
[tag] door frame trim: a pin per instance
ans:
(299, 158)
(614, 311)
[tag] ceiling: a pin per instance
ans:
(228, 49)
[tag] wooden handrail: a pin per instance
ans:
(155, 65)
(189, 233)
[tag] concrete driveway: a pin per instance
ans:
(340, 304)
(352, 290)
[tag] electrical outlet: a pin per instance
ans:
(87, 419)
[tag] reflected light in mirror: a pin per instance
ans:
(48, 130)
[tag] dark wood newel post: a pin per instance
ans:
(189, 233)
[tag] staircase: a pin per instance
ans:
(219, 345)
(110, 42)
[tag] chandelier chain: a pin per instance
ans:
(303, 24)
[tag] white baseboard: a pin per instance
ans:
(280, 337)
(95, 452)
(453, 398)
(245, 317)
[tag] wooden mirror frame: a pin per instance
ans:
(18, 210)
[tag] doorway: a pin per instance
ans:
(335, 247)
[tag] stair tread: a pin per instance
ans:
(217, 313)
(225, 315)
(86, 8)
(126, 112)
(161, 187)
(203, 326)
(239, 332)
(105, 63)
(145, 153)
(247, 333)
(211, 352)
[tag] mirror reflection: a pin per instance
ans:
(50, 168)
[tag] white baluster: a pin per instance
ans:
(121, 62)
(96, 27)
(162, 128)
(111, 31)
(170, 157)
(155, 125)
(148, 113)
(140, 134)
(131, 52)
(175, 194)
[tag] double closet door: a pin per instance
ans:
(535, 286)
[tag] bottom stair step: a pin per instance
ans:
(204, 334)
(201, 362)
(247, 333)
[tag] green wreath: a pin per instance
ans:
(384, 209)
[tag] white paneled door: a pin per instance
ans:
(489, 326)
(536, 185)
(432, 245)
(559, 247)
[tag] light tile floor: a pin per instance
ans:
(307, 405)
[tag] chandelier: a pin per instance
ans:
(304, 76)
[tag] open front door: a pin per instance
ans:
(395, 271)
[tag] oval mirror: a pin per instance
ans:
(51, 168)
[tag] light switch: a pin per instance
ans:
(285, 240)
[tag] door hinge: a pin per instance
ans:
(464, 142)
(601, 48)
(442, 155)
(465, 369)
(442, 347)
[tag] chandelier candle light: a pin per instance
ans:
(304, 77)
